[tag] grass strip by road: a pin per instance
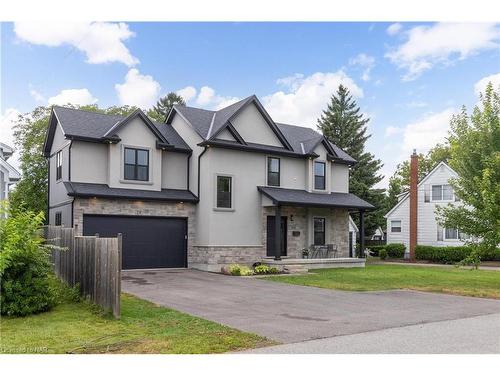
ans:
(79, 327)
(475, 283)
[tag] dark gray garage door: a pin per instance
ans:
(148, 242)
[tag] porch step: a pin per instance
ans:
(294, 268)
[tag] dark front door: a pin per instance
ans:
(350, 245)
(270, 236)
(148, 242)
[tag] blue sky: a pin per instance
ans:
(407, 77)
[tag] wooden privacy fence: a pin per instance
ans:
(92, 262)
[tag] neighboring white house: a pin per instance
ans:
(8, 174)
(353, 236)
(433, 190)
(379, 235)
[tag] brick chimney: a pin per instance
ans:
(413, 204)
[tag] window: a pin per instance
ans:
(136, 164)
(58, 165)
(442, 193)
(319, 231)
(224, 192)
(273, 171)
(454, 234)
(395, 226)
(319, 175)
(58, 219)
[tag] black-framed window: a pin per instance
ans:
(224, 192)
(136, 164)
(58, 218)
(59, 165)
(319, 230)
(273, 171)
(395, 226)
(319, 175)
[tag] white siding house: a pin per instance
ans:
(434, 190)
(8, 174)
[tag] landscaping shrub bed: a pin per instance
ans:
(395, 250)
(446, 255)
(258, 269)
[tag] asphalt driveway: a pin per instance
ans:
(292, 313)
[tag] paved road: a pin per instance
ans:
(290, 313)
(478, 335)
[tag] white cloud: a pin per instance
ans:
(138, 90)
(7, 122)
(416, 104)
(39, 98)
(426, 132)
(364, 61)
(392, 130)
(306, 97)
(480, 86)
(102, 42)
(73, 96)
(394, 28)
(209, 99)
(188, 93)
(442, 44)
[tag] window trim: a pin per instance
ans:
(458, 239)
(314, 230)
(59, 165)
(314, 174)
(231, 190)
(269, 171)
(136, 180)
(442, 193)
(400, 226)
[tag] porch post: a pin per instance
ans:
(277, 233)
(361, 233)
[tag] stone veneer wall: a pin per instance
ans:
(105, 206)
(339, 231)
(213, 258)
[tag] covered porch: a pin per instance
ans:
(310, 229)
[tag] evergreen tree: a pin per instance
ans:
(164, 105)
(343, 124)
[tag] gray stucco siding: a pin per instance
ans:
(57, 192)
(89, 162)
(66, 213)
(174, 170)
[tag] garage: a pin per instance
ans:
(148, 242)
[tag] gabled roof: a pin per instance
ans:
(98, 127)
(6, 150)
(426, 177)
(14, 175)
(298, 141)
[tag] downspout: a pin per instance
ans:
(199, 162)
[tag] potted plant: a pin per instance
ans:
(305, 253)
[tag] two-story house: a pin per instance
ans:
(203, 189)
(8, 174)
(433, 190)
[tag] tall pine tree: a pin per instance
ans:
(344, 125)
(160, 111)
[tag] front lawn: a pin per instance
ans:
(78, 327)
(476, 283)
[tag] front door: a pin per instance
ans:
(270, 236)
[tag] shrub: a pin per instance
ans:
(447, 255)
(375, 250)
(24, 265)
(383, 254)
(395, 250)
(239, 270)
(473, 259)
(265, 270)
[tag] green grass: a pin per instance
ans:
(79, 327)
(476, 283)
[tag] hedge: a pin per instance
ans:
(444, 254)
(375, 249)
(395, 250)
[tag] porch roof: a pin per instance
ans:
(294, 197)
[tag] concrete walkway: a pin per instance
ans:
(291, 313)
(478, 335)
